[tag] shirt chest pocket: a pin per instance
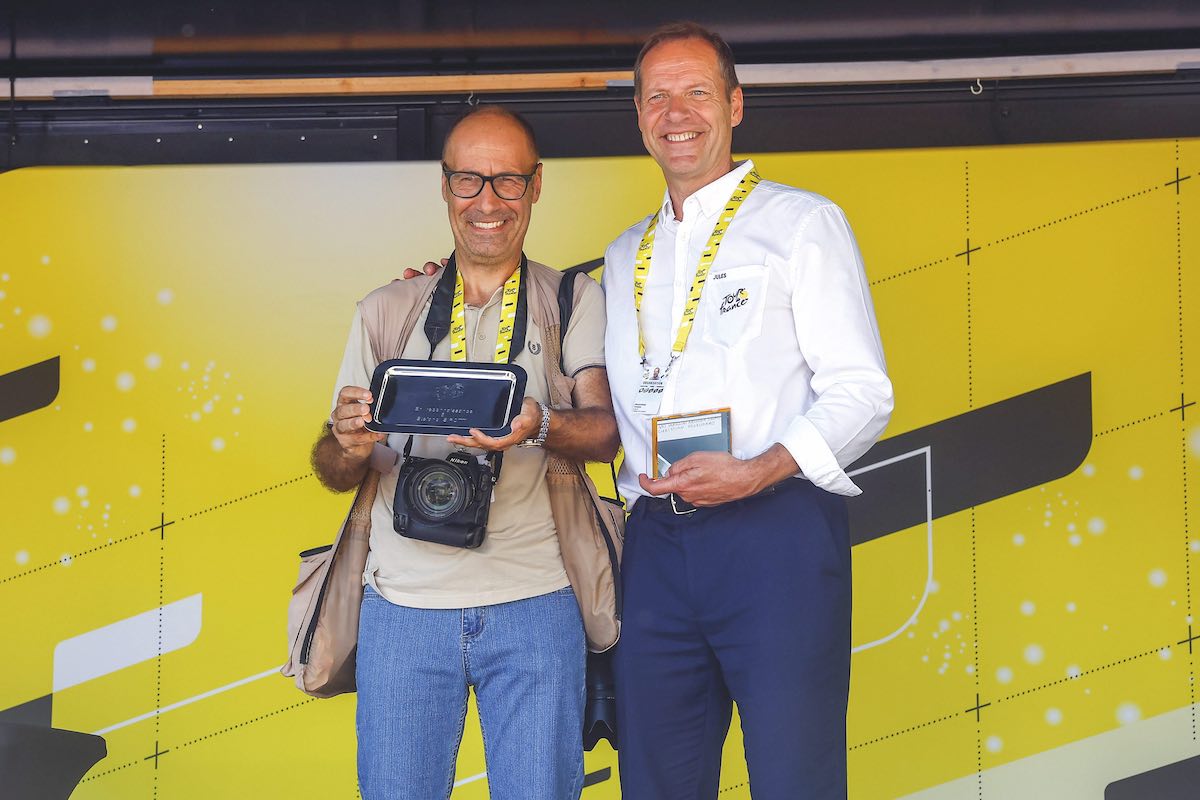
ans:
(733, 304)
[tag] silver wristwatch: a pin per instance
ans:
(540, 439)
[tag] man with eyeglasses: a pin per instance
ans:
(502, 618)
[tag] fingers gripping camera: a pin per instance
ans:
(446, 502)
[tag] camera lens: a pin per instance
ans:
(439, 491)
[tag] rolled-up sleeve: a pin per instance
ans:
(839, 340)
(358, 362)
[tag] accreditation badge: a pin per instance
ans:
(649, 395)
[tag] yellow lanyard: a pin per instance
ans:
(641, 268)
(508, 316)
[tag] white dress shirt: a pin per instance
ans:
(799, 362)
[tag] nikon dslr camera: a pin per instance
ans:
(446, 502)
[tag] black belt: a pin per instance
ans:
(667, 503)
(674, 504)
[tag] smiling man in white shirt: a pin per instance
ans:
(747, 295)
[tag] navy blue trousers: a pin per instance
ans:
(747, 603)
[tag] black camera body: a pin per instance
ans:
(443, 501)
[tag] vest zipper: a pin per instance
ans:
(316, 615)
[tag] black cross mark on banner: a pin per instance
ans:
(161, 527)
(1178, 180)
(1190, 638)
(978, 707)
(155, 755)
(968, 252)
(1183, 407)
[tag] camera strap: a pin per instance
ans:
(495, 459)
(447, 317)
(446, 310)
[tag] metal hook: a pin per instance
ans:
(977, 89)
(471, 97)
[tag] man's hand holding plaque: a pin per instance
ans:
(525, 426)
(349, 419)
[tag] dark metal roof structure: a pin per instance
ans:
(272, 39)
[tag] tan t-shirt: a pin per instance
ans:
(519, 557)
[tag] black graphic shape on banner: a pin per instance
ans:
(45, 763)
(599, 776)
(973, 458)
(1176, 781)
(28, 388)
(35, 712)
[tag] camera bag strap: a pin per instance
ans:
(591, 529)
(567, 289)
(324, 608)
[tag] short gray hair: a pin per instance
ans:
(688, 30)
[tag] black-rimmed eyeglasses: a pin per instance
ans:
(507, 185)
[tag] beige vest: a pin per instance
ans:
(590, 529)
(323, 612)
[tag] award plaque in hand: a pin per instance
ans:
(438, 398)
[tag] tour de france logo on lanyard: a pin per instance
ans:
(648, 399)
(508, 315)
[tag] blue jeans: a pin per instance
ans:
(526, 661)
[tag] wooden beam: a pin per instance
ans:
(376, 85)
(393, 40)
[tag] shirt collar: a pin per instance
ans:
(491, 300)
(712, 197)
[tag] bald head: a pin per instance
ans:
(492, 120)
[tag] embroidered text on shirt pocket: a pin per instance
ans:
(734, 300)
